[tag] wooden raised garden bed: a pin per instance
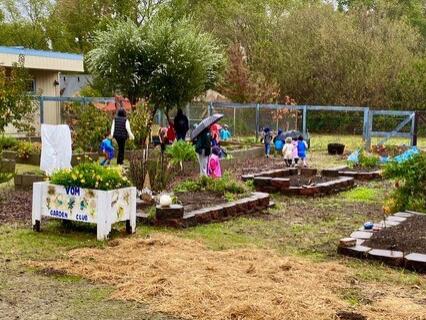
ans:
(357, 174)
(398, 241)
(27, 179)
(179, 216)
(302, 182)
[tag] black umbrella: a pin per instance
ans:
(207, 122)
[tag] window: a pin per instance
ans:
(31, 86)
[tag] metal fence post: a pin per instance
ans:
(210, 108)
(257, 121)
(414, 124)
(41, 102)
(304, 119)
(235, 125)
(369, 130)
(365, 125)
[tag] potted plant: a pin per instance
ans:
(87, 193)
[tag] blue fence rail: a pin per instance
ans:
(260, 109)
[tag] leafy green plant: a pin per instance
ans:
(91, 176)
(7, 142)
(224, 185)
(89, 125)
(410, 184)
(139, 121)
(181, 151)
(365, 161)
(25, 149)
(15, 103)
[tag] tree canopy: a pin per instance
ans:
(362, 52)
(163, 62)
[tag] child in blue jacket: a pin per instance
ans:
(302, 149)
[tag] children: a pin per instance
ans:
(107, 150)
(302, 149)
(295, 152)
(279, 141)
(225, 135)
(288, 151)
(267, 139)
(214, 163)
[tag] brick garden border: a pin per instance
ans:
(353, 246)
(278, 181)
(357, 175)
(175, 216)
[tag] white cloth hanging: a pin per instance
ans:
(56, 149)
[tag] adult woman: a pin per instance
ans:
(203, 149)
(120, 131)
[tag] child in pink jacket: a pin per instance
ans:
(214, 163)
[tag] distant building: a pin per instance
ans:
(45, 68)
(71, 84)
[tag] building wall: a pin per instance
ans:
(44, 85)
(45, 63)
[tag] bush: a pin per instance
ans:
(140, 123)
(25, 149)
(410, 182)
(181, 151)
(88, 124)
(365, 161)
(7, 143)
(91, 176)
(225, 185)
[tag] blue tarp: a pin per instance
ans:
(354, 156)
(406, 155)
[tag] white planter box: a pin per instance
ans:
(85, 205)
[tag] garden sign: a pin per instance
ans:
(104, 208)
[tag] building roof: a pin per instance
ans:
(40, 53)
(42, 59)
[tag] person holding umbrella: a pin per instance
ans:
(202, 139)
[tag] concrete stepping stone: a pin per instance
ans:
(416, 261)
(361, 235)
(358, 251)
(396, 219)
(403, 214)
(394, 258)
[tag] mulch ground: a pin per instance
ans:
(198, 200)
(15, 206)
(409, 236)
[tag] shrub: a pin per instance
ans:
(140, 123)
(88, 124)
(91, 176)
(410, 182)
(7, 143)
(224, 185)
(25, 149)
(181, 151)
(365, 161)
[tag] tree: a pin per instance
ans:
(165, 63)
(15, 103)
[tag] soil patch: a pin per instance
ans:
(409, 236)
(300, 181)
(15, 206)
(198, 200)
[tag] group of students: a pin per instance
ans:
(207, 144)
(293, 149)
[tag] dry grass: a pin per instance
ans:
(183, 278)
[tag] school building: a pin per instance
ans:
(45, 68)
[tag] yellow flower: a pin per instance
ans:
(83, 181)
(73, 176)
